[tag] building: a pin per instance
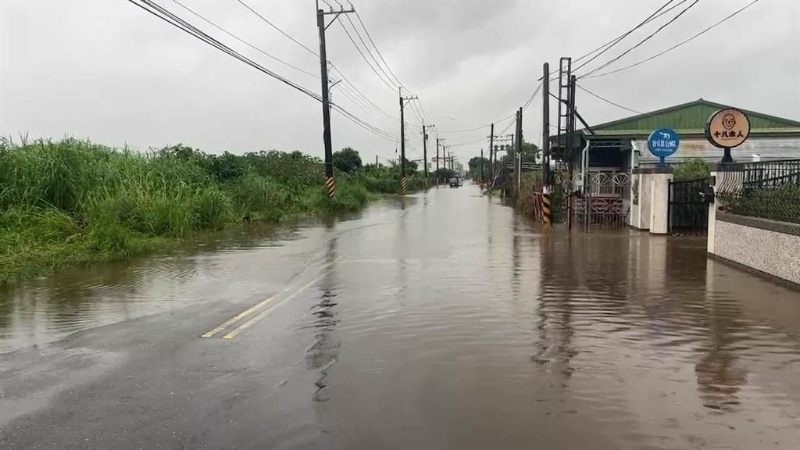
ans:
(619, 146)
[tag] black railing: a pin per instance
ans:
(769, 189)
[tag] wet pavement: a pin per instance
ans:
(445, 322)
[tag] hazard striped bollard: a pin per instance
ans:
(330, 186)
(404, 185)
(546, 210)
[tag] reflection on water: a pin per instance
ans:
(249, 258)
(448, 321)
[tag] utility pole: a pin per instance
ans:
(571, 138)
(546, 145)
(438, 141)
(425, 151)
(330, 183)
(518, 157)
(403, 101)
(491, 152)
(546, 126)
(482, 177)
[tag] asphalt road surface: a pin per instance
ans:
(442, 322)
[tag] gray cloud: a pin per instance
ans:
(108, 71)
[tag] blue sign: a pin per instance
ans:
(663, 142)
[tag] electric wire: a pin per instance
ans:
(158, 11)
(655, 15)
(643, 40)
(275, 58)
(360, 52)
(606, 100)
(278, 29)
(341, 75)
(685, 41)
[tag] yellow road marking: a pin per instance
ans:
(257, 306)
(241, 316)
(264, 313)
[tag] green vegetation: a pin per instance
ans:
(347, 160)
(476, 163)
(691, 169)
(71, 202)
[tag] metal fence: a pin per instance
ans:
(769, 189)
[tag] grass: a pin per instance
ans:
(70, 202)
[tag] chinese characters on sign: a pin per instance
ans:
(727, 128)
(663, 142)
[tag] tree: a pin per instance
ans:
(347, 160)
(475, 166)
(411, 166)
(691, 169)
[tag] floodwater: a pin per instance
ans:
(449, 321)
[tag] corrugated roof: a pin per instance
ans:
(690, 118)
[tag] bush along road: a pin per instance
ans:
(73, 202)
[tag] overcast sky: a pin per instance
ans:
(108, 71)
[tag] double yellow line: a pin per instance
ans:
(261, 306)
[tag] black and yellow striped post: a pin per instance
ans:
(330, 186)
(404, 185)
(546, 207)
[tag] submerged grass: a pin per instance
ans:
(73, 202)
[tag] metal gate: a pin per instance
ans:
(688, 210)
(605, 202)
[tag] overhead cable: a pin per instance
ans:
(275, 58)
(606, 100)
(685, 41)
(176, 21)
(643, 40)
(609, 45)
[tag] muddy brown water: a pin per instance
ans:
(452, 322)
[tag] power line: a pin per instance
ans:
(341, 75)
(243, 41)
(176, 21)
(606, 100)
(467, 143)
(377, 50)
(464, 130)
(390, 86)
(530, 99)
(383, 71)
(643, 40)
(181, 24)
(676, 45)
(353, 86)
(279, 30)
(609, 45)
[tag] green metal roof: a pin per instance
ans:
(690, 118)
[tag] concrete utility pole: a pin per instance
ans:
(482, 175)
(491, 152)
(330, 183)
(403, 101)
(518, 158)
(425, 151)
(546, 125)
(438, 141)
(546, 146)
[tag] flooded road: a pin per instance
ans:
(447, 321)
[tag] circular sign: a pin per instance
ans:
(663, 142)
(727, 128)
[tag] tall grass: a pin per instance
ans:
(69, 199)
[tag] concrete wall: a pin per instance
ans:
(766, 246)
(649, 199)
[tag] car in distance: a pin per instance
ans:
(455, 182)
